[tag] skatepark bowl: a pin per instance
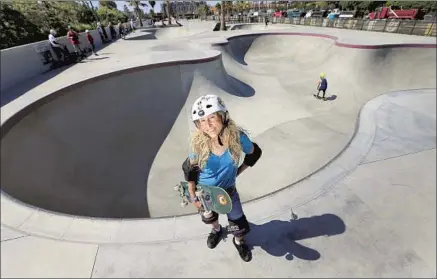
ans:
(112, 146)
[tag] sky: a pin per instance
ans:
(120, 5)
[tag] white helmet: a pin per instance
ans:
(206, 105)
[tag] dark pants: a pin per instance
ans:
(93, 46)
(323, 90)
(236, 218)
(58, 51)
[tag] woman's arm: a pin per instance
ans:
(242, 168)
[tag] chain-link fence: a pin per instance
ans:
(401, 26)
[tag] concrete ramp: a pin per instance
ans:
(287, 68)
(113, 147)
(169, 32)
(89, 150)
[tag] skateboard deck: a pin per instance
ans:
(320, 98)
(212, 198)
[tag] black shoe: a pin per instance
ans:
(243, 250)
(214, 238)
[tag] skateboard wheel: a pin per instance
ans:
(207, 214)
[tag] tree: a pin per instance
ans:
(428, 5)
(152, 4)
(16, 29)
(202, 10)
(110, 15)
(93, 9)
(137, 10)
(222, 16)
(310, 5)
(322, 4)
(126, 11)
(108, 4)
(26, 22)
(167, 8)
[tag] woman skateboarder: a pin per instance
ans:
(216, 146)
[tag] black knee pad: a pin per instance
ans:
(239, 227)
(211, 219)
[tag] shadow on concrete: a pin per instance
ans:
(222, 80)
(15, 91)
(18, 90)
(331, 98)
(244, 89)
(238, 47)
(94, 59)
(88, 149)
(279, 238)
(149, 33)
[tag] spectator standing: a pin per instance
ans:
(74, 39)
(112, 30)
(56, 46)
(90, 39)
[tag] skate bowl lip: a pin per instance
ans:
(119, 230)
(338, 41)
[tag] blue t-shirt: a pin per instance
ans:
(323, 84)
(220, 170)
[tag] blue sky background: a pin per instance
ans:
(120, 5)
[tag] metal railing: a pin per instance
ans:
(400, 26)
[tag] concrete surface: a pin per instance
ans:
(362, 167)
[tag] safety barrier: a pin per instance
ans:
(400, 26)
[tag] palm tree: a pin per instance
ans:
(222, 16)
(167, 9)
(136, 5)
(152, 4)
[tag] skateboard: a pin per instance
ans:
(320, 98)
(212, 198)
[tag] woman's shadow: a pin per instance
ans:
(279, 238)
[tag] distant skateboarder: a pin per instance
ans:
(322, 86)
(213, 161)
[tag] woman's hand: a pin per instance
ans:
(197, 204)
(191, 190)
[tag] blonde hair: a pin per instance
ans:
(200, 143)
